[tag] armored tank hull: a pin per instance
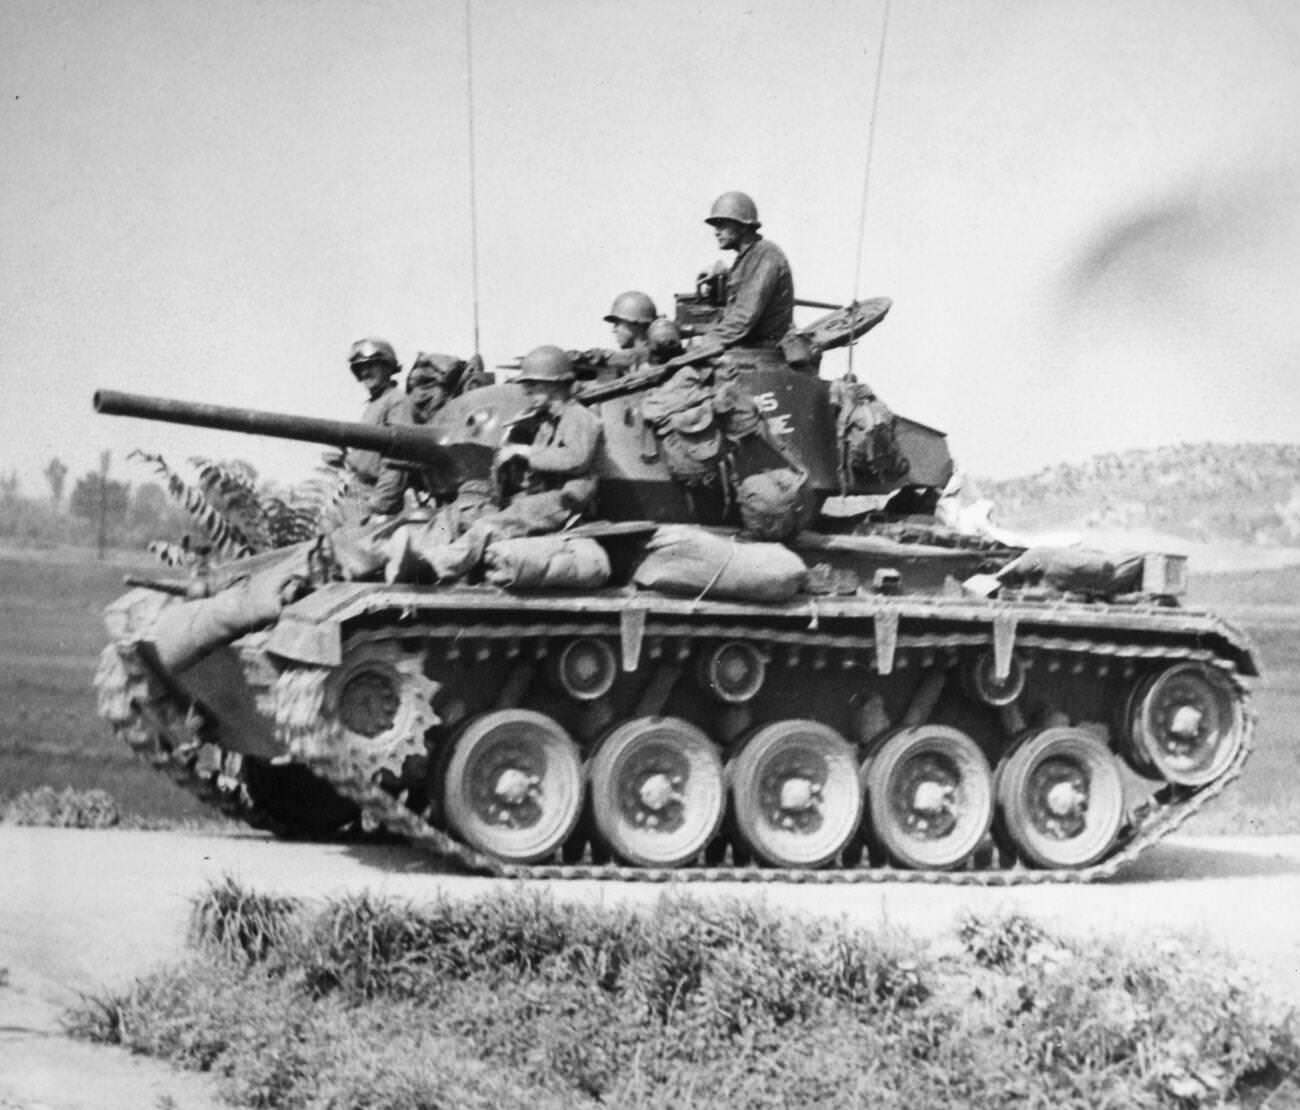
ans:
(903, 731)
(881, 719)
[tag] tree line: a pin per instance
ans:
(96, 509)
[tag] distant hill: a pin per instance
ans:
(1200, 492)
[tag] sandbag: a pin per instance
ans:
(771, 503)
(547, 562)
(682, 559)
(1074, 570)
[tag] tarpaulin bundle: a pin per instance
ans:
(547, 562)
(184, 633)
(682, 559)
(1074, 570)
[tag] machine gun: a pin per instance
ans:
(444, 466)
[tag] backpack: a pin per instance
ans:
(771, 503)
(682, 415)
(868, 437)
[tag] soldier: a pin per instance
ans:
(630, 316)
(559, 481)
(760, 288)
(381, 485)
(663, 342)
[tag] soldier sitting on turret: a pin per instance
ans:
(760, 287)
(558, 483)
(630, 316)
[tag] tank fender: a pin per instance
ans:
(316, 642)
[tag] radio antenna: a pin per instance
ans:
(866, 173)
(473, 171)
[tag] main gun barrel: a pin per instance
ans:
(412, 443)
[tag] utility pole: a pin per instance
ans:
(103, 503)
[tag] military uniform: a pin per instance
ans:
(379, 483)
(760, 299)
(561, 483)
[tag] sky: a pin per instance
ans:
(1088, 215)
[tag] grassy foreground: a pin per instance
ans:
(514, 1001)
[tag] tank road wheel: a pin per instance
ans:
(1186, 724)
(584, 668)
(513, 786)
(1061, 798)
(657, 791)
(795, 789)
(930, 796)
(733, 671)
(979, 677)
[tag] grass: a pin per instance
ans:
(51, 633)
(67, 809)
(515, 1001)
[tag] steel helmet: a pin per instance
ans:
(373, 350)
(664, 337)
(736, 206)
(632, 307)
(546, 364)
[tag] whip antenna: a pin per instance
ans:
(866, 173)
(473, 172)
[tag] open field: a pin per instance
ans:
(51, 634)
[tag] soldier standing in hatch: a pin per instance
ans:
(760, 287)
(379, 484)
(559, 482)
(630, 316)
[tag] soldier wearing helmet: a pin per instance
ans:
(760, 287)
(559, 483)
(381, 486)
(630, 316)
(663, 342)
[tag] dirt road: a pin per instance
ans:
(80, 909)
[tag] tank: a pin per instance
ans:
(923, 704)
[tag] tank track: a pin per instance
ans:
(314, 737)
(148, 721)
(173, 738)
